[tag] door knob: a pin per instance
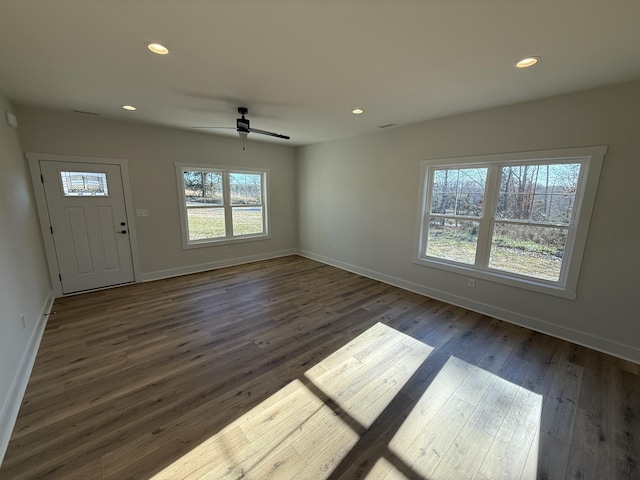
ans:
(122, 223)
(123, 232)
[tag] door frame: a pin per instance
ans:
(34, 160)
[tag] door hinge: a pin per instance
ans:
(51, 228)
(60, 277)
(41, 178)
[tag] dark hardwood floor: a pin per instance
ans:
(289, 368)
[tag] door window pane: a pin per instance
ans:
(84, 184)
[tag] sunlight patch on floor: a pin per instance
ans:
(471, 424)
(367, 373)
(467, 424)
(284, 433)
(294, 433)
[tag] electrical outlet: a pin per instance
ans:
(333, 248)
(472, 283)
(226, 249)
(24, 324)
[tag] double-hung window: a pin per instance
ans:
(221, 204)
(519, 219)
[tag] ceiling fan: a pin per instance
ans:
(243, 127)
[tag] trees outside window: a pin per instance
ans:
(220, 204)
(519, 219)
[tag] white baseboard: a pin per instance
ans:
(203, 267)
(626, 352)
(13, 400)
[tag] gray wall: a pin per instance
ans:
(24, 278)
(361, 195)
(151, 153)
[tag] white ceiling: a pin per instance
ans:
(301, 66)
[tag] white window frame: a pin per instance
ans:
(591, 158)
(187, 243)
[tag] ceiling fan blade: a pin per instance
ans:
(271, 134)
(232, 128)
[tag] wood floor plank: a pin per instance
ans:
(317, 432)
(475, 386)
(365, 406)
(432, 401)
(625, 393)
(323, 465)
(560, 409)
(213, 451)
(509, 451)
(593, 427)
(289, 368)
(494, 405)
(530, 470)
(283, 464)
(384, 470)
(429, 448)
(552, 458)
(466, 454)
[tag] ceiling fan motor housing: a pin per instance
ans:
(242, 124)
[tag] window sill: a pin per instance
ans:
(504, 278)
(224, 241)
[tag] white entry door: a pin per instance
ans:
(89, 224)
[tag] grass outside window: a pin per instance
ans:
(222, 204)
(519, 219)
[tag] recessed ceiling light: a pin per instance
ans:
(157, 48)
(357, 111)
(527, 62)
(131, 108)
